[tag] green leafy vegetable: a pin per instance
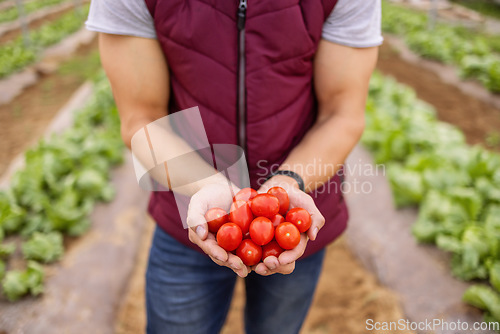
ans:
(407, 185)
(2, 269)
(495, 275)
(470, 51)
(6, 250)
(14, 285)
(15, 55)
(11, 13)
(54, 194)
(485, 298)
(44, 247)
(18, 283)
(456, 186)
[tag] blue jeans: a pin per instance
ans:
(186, 292)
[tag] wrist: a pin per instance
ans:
(288, 177)
(283, 181)
(215, 179)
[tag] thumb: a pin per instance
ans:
(196, 220)
(201, 231)
(198, 224)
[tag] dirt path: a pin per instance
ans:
(347, 295)
(132, 314)
(476, 119)
(25, 119)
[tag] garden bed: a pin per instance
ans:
(381, 237)
(82, 291)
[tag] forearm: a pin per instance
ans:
(143, 136)
(341, 80)
(327, 144)
(138, 72)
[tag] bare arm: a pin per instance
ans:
(138, 72)
(341, 78)
(139, 78)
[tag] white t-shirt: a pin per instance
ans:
(355, 23)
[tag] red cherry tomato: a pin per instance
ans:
(300, 218)
(277, 219)
(245, 194)
(261, 230)
(216, 217)
(282, 197)
(265, 205)
(229, 236)
(241, 215)
(271, 249)
(249, 252)
(287, 235)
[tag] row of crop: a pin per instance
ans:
(473, 53)
(16, 55)
(456, 186)
(53, 195)
(12, 13)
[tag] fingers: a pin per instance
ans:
(210, 196)
(201, 231)
(209, 246)
(196, 215)
(317, 222)
(218, 254)
(263, 268)
(271, 262)
(292, 255)
(264, 188)
(235, 264)
(300, 199)
(285, 264)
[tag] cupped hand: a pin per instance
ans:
(217, 195)
(285, 263)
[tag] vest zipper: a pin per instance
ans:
(241, 116)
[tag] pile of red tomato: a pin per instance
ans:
(258, 225)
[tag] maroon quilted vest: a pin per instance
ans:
(257, 93)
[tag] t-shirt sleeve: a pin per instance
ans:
(121, 17)
(355, 23)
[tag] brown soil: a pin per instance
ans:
(24, 120)
(34, 25)
(476, 119)
(132, 314)
(347, 296)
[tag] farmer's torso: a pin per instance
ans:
(257, 94)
